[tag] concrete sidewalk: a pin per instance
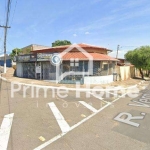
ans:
(10, 71)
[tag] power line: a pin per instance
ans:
(129, 46)
(14, 12)
(9, 9)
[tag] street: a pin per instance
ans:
(74, 123)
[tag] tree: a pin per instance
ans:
(140, 58)
(15, 52)
(60, 43)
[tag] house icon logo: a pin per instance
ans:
(56, 59)
(74, 61)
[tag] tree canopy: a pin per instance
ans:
(15, 52)
(60, 43)
(140, 58)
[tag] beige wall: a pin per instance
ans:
(28, 49)
(125, 72)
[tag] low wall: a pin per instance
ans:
(98, 79)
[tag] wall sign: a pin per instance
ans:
(35, 57)
(23, 58)
(44, 56)
(26, 58)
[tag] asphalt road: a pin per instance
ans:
(73, 123)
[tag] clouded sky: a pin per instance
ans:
(105, 23)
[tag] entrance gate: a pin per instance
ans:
(29, 70)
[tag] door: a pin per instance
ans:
(29, 70)
(46, 70)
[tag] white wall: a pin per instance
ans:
(98, 79)
(19, 70)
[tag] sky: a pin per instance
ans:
(105, 23)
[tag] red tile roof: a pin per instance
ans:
(82, 45)
(82, 56)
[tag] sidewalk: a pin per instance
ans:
(10, 71)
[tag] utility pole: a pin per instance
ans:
(5, 33)
(117, 51)
(116, 58)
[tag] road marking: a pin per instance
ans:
(139, 104)
(100, 98)
(88, 106)
(128, 118)
(119, 97)
(60, 119)
(73, 127)
(112, 93)
(144, 101)
(76, 125)
(5, 131)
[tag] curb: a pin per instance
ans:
(72, 89)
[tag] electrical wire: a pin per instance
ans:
(14, 12)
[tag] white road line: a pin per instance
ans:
(96, 96)
(119, 97)
(112, 93)
(73, 127)
(76, 125)
(88, 106)
(100, 98)
(60, 119)
(5, 131)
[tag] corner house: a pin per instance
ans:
(82, 63)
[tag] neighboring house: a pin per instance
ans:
(32, 47)
(8, 61)
(123, 62)
(75, 63)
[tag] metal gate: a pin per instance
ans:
(29, 70)
(31, 73)
(25, 70)
(52, 74)
(45, 70)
